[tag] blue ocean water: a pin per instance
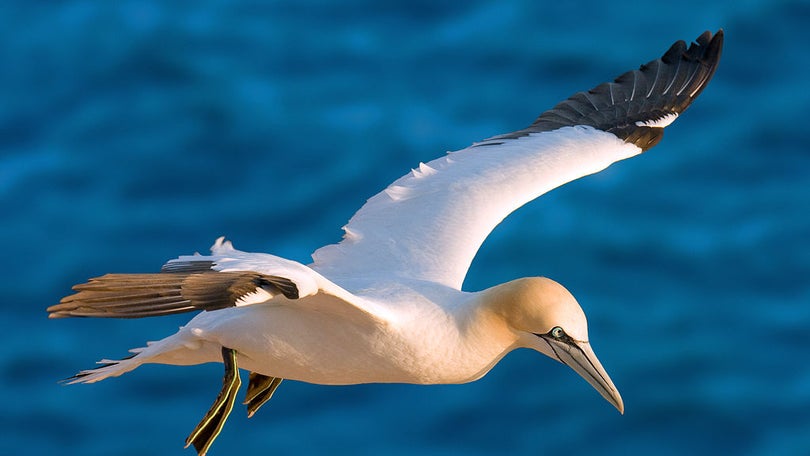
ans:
(134, 131)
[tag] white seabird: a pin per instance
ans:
(385, 304)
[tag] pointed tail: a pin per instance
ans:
(108, 368)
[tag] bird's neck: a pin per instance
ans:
(483, 337)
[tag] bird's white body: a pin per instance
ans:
(386, 303)
(367, 315)
(416, 341)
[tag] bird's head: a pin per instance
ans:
(547, 318)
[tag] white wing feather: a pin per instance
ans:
(429, 224)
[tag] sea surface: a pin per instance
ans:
(135, 131)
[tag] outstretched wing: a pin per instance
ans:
(429, 224)
(226, 278)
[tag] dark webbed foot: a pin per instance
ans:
(260, 390)
(209, 428)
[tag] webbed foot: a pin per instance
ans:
(209, 428)
(260, 390)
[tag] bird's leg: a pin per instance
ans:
(260, 390)
(208, 429)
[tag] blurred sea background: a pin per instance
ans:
(135, 131)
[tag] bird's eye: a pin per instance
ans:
(557, 332)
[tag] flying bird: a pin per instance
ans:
(385, 305)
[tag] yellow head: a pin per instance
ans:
(545, 317)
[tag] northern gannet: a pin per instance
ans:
(385, 304)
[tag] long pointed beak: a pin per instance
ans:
(580, 357)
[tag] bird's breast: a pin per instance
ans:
(426, 347)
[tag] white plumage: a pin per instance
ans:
(385, 304)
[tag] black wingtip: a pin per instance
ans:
(705, 51)
(638, 104)
(668, 84)
(684, 73)
(713, 46)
